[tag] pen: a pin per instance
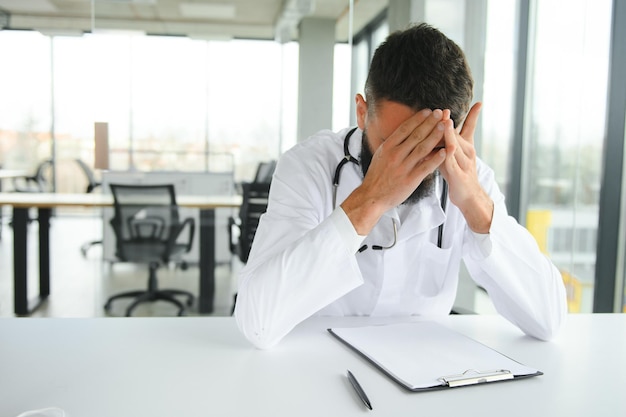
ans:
(359, 390)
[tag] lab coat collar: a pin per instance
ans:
(423, 216)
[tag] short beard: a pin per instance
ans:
(425, 188)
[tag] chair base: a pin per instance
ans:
(85, 246)
(148, 296)
(152, 294)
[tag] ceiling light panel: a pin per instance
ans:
(207, 11)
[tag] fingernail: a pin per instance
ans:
(440, 126)
(438, 114)
(442, 152)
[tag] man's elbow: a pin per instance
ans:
(253, 329)
(550, 328)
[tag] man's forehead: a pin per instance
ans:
(388, 115)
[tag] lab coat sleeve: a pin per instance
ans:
(302, 258)
(523, 284)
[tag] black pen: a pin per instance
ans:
(359, 390)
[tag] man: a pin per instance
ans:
(388, 239)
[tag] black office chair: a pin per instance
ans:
(36, 183)
(241, 229)
(265, 171)
(148, 230)
(92, 184)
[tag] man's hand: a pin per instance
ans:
(398, 166)
(459, 169)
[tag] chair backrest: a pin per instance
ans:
(254, 204)
(264, 171)
(92, 183)
(42, 173)
(144, 215)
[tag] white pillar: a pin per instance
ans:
(402, 13)
(315, 81)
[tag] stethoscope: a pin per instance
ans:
(349, 158)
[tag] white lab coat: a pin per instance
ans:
(305, 257)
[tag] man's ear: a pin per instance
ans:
(361, 111)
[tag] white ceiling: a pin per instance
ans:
(217, 19)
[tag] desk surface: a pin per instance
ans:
(12, 173)
(201, 366)
(45, 200)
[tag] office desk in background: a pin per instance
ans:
(202, 366)
(45, 202)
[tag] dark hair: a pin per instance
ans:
(421, 68)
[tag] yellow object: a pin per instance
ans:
(537, 223)
(573, 291)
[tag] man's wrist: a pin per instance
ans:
(362, 211)
(479, 213)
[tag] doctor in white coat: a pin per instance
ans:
(375, 220)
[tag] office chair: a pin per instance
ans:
(92, 184)
(264, 171)
(36, 183)
(241, 229)
(147, 230)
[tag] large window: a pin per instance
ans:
(25, 106)
(170, 103)
(565, 130)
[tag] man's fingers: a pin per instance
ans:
(417, 128)
(470, 123)
(429, 163)
(407, 127)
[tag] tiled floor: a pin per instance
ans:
(80, 285)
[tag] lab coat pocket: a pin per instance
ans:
(431, 266)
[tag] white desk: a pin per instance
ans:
(202, 366)
(45, 202)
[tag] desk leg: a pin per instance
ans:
(44, 252)
(22, 307)
(20, 273)
(207, 261)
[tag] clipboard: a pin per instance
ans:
(425, 356)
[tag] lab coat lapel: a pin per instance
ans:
(425, 215)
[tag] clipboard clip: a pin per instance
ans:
(472, 376)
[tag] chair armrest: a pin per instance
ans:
(92, 187)
(461, 310)
(232, 243)
(25, 187)
(188, 222)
